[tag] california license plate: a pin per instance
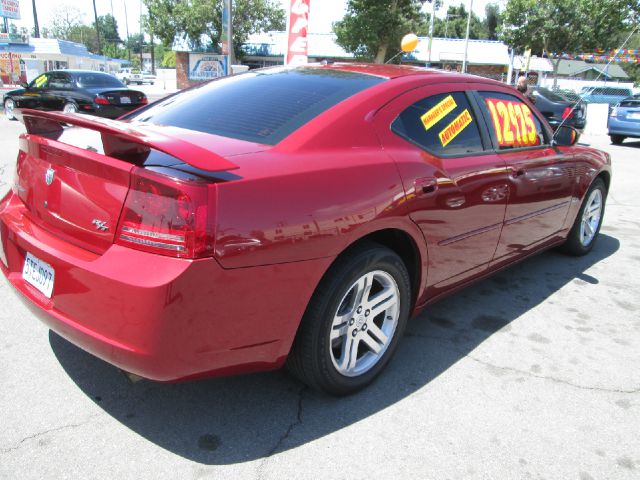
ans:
(39, 274)
(125, 100)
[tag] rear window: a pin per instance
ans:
(263, 106)
(91, 80)
(631, 101)
(549, 95)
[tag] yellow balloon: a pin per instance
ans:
(409, 42)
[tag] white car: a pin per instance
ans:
(148, 77)
(130, 75)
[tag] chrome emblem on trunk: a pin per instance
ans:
(48, 177)
(100, 225)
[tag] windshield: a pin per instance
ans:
(96, 79)
(263, 106)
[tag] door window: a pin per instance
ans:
(59, 80)
(442, 124)
(40, 81)
(512, 123)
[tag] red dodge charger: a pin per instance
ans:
(292, 216)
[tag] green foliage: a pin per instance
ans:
(454, 24)
(372, 29)
(203, 18)
(168, 60)
(557, 26)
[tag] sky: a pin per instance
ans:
(322, 12)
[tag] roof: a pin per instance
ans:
(536, 64)
(572, 68)
(323, 45)
(53, 46)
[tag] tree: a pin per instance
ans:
(64, 19)
(454, 25)
(492, 20)
(201, 20)
(554, 27)
(109, 29)
(371, 27)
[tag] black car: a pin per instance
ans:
(558, 108)
(81, 91)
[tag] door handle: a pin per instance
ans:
(425, 187)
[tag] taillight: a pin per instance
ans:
(568, 113)
(167, 216)
(100, 100)
(143, 100)
(614, 112)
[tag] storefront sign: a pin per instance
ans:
(10, 9)
(6, 38)
(297, 27)
(204, 66)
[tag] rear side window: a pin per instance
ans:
(91, 80)
(263, 106)
(513, 124)
(442, 124)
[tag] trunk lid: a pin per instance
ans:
(120, 96)
(74, 180)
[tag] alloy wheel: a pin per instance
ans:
(591, 217)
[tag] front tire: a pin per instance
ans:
(617, 139)
(587, 225)
(353, 323)
(70, 107)
(9, 106)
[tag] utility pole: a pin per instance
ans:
(95, 14)
(126, 22)
(36, 27)
(466, 39)
(141, 35)
(431, 29)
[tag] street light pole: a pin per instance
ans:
(466, 40)
(36, 27)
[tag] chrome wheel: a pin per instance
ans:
(69, 108)
(364, 323)
(9, 106)
(591, 217)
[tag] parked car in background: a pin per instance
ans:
(72, 91)
(148, 77)
(130, 75)
(292, 215)
(610, 95)
(557, 109)
(624, 120)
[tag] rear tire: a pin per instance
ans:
(617, 139)
(586, 226)
(353, 322)
(70, 107)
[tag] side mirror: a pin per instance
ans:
(565, 136)
(24, 85)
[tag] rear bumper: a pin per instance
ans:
(109, 111)
(161, 318)
(627, 128)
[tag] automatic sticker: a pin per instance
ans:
(452, 130)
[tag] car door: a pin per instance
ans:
(58, 90)
(456, 187)
(32, 95)
(541, 177)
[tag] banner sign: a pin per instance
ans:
(204, 66)
(513, 123)
(21, 38)
(10, 9)
(297, 25)
(225, 39)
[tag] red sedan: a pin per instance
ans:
(292, 216)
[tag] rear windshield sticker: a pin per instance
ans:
(513, 123)
(438, 112)
(452, 130)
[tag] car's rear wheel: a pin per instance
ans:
(353, 323)
(9, 106)
(70, 107)
(587, 225)
(617, 139)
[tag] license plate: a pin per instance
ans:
(125, 100)
(634, 116)
(39, 274)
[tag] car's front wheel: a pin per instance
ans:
(354, 321)
(616, 139)
(9, 106)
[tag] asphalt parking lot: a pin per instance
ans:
(533, 373)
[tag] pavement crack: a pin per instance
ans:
(45, 432)
(287, 433)
(523, 372)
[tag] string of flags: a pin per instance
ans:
(601, 55)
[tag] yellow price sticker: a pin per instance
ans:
(438, 112)
(452, 130)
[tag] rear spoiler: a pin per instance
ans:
(121, 139)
